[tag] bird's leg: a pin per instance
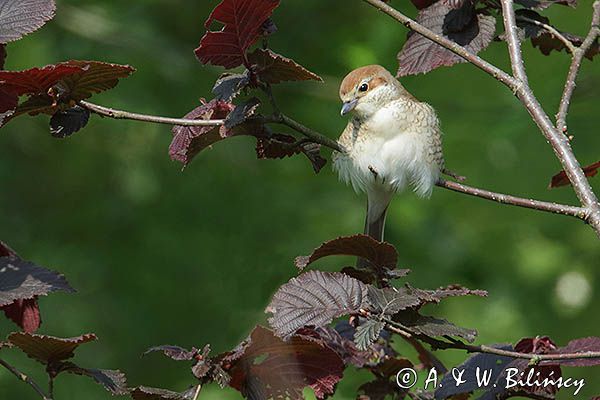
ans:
(454, 175)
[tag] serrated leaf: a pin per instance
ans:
(267, 365)
(95, 77)
(36, 80)
(430, 326)
(582, 345)
(274, 68)
(464, 26)
(241, 113)
(380, 254)
(389, 300)
(547, 42)
(25, 313)
(21, 17)
(48, 349)
(20, 279)
(280, 146)
(228, 86)
(66, 123)
(243, 21)
(174, 352)
(57, 87)
(114, 381)
(315, 298)
(367, 333)
(188, 141)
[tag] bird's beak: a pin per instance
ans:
(348, 106)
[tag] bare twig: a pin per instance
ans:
(458, 345)
(554, 208)
(577, 57)
(276, 118)
(197, 392)
(552, 30)
(119, 114)
(25, 379)
(559, 142)
(314, 136)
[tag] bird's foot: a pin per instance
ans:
(454, 175)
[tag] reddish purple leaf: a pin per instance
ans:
(583, 345)
(188, 141)
(380, 254)
(315, 298)
(48, 349)
(35, 80)
(464, 26)
(6, 251)
(265, 366)
(275, 68)
(21, 17)
(243, 21)
(561, 179)
(25, 313)
(280, 146)
(114, 381)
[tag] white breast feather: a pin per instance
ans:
(398, 151)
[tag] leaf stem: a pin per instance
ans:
(21, 376)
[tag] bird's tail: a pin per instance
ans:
(377, 205)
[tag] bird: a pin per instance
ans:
(391, 142)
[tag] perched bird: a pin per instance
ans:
(392, 141)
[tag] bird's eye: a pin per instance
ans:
(363, 88)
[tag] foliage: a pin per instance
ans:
(303, 349)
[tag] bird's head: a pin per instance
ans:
(366, 89)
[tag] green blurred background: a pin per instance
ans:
(161, 256)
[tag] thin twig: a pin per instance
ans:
(458, 345)
(314, 136)
(552, 30)
(25, 379)
(277, 118)
(444, 42)
(554, 208)
(577, 57)
(119, 114)
(197, 392)
(559, 142)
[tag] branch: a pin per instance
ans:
(552, 30)
(119, 114)
(559, 142)
(25, 379)
(314, 136)
(513, 41)
(447, 43)
(577, 55)
(554, 208)
(458, 345)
